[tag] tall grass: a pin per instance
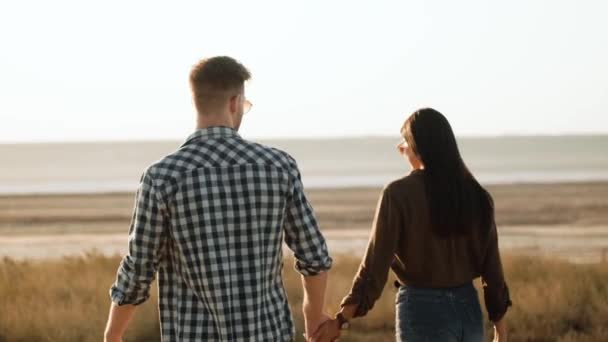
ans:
(67, 300)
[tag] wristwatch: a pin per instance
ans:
(343, 323)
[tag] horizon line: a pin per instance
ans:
(303, 138)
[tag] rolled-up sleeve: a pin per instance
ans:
(373, 272)
(302, 234)
(146, 244)
(495, 289)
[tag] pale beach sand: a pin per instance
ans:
(563, 220)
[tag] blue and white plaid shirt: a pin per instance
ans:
(211, 219)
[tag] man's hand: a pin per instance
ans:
(313, 304)
(109, 338)
(500, 331)
(327, 332)
(311, 326)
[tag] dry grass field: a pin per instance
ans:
(66, 300)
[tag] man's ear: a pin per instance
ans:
(233, 104)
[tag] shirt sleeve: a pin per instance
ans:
(373, 271)
(302, 234)
(146, 246)
(495, 290)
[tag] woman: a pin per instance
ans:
(435, 229)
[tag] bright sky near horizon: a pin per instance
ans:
(118, 70)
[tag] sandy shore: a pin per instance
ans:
(563, 220)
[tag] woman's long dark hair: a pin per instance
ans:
(457, 202)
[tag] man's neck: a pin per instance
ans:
(213, 121)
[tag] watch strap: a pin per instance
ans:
(342, 321)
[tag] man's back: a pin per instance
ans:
(211, 218)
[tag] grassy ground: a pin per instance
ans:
(66, 300)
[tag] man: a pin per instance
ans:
(210, 218)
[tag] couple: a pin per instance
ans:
(210, 219)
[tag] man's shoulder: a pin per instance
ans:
(164, 169)
(175, 164)
(276, 154)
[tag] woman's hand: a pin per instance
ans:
(500, 331)
(327, 332)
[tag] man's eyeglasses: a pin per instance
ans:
(246, 106)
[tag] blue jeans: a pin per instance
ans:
(449, 314)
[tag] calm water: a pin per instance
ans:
(99, 167)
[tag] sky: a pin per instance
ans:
(118, 70)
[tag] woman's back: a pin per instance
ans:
(423, 258)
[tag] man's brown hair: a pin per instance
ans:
(214, 80)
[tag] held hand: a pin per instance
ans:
(500, 331)
(327, 332)
(312, 326)
(109, 338)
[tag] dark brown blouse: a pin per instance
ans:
(402, 239)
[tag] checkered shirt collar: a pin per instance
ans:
(211, 132)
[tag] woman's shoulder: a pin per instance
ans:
(410, 183)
